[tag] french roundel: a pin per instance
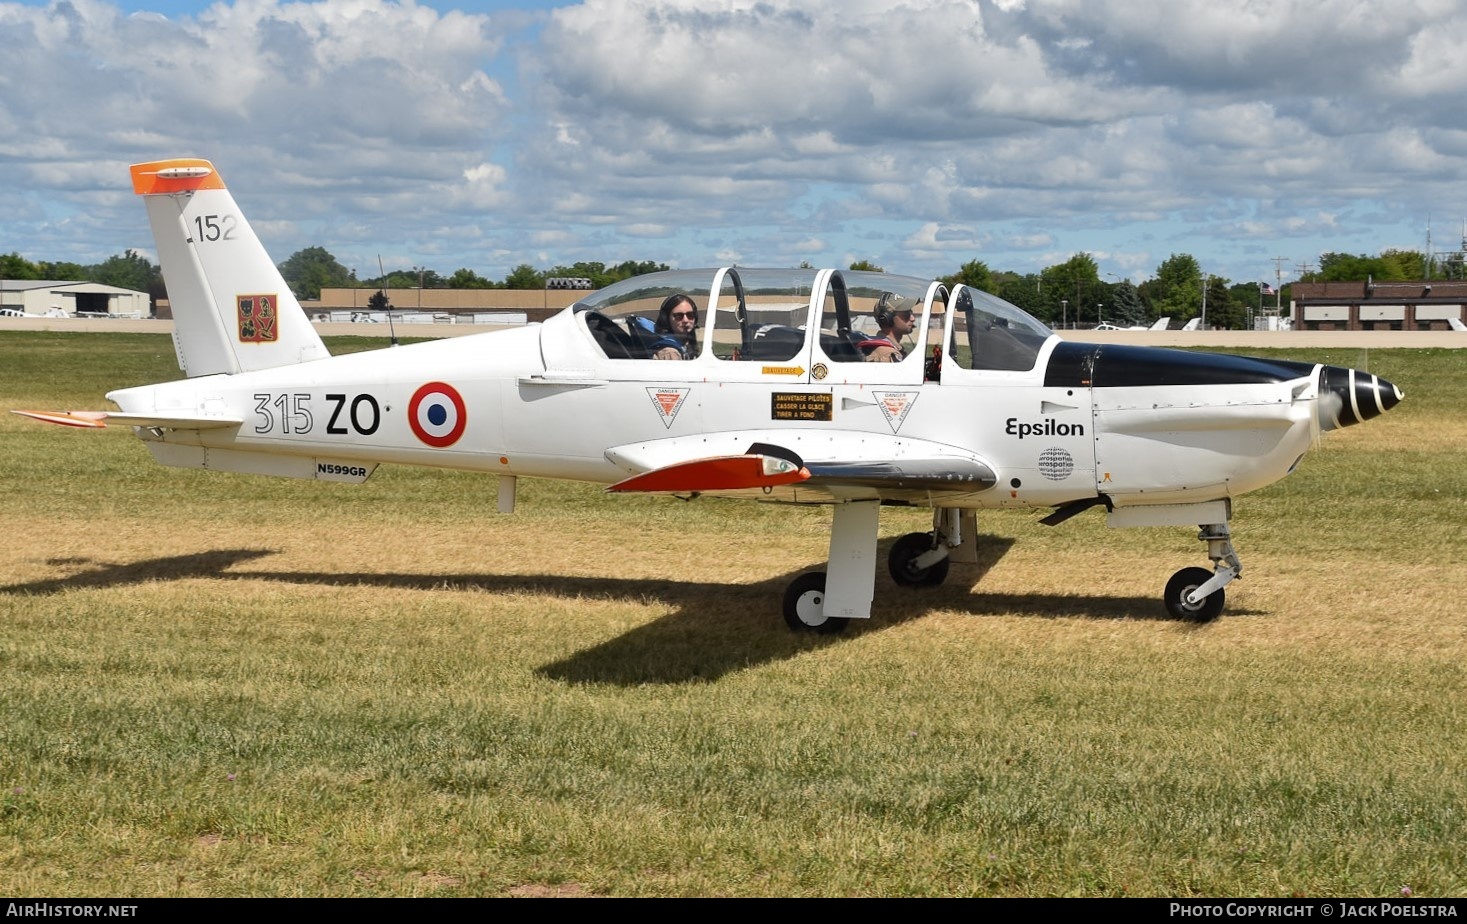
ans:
(437, 414)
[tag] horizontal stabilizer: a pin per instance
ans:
(722, 473)
(99, 419)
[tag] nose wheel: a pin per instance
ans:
(1196, 594)
(1178, 596)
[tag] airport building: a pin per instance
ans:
(39, 298)
(1430, 305)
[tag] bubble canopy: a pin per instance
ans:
(765, 314)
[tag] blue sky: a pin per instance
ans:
(1254, 136)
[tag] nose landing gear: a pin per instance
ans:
(1195, 594)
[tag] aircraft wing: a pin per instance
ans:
(829, 467)
(98, 420)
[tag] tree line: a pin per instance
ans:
(1068, 294)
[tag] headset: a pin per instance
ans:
(885, 310)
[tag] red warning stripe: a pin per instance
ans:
(723, 473)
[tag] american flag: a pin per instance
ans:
(1267, 289)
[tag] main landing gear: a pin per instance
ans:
(1196, 594)
(915, 560)
(804, 606)
(918, 560)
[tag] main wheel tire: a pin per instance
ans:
(1182, 584)
(904, 552)
(804, 606)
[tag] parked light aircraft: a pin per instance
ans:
(989, 408)
(1159, 324)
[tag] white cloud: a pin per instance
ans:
(757, 131)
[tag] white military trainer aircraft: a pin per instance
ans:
(984, 407)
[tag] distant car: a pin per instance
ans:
(1108, 327)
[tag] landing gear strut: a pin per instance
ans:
(1195, 594)
(826, 602)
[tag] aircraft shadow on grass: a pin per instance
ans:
(684, 646)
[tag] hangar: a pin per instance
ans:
(61, 299)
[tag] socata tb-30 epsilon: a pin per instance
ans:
(989, 409)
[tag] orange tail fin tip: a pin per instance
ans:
(178, 175)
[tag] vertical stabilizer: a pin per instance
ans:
(232, 311)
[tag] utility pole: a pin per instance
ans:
(1064, 311)
(1278, 276)
(1203, 322)
(1428, 260)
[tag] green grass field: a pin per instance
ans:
(224, 685)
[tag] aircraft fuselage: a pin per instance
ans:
(487, 402)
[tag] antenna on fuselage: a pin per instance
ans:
(381, 290)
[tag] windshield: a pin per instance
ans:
(990, 333)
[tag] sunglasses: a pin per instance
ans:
(685, 314)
